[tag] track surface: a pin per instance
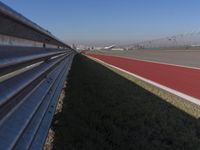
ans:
(184, 80)
(179, 57)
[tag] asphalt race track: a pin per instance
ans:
(179, 57)
(181, 79)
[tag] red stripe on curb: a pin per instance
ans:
(184, 80)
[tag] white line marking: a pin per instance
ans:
(156, 62)
(177, 93)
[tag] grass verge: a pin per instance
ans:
(103, 110)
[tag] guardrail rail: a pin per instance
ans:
(33, 68)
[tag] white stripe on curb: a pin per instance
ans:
(177, 93)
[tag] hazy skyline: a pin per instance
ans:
(103, 22)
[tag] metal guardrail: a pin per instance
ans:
(31, 80)
(14, 24)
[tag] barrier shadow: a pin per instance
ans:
(103, 110)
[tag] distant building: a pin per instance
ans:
(117, 49)
(74, 47)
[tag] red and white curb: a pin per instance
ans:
(170, 90)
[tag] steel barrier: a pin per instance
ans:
(31, 80)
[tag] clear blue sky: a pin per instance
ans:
(109, 21)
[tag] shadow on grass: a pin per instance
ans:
(103, 110)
